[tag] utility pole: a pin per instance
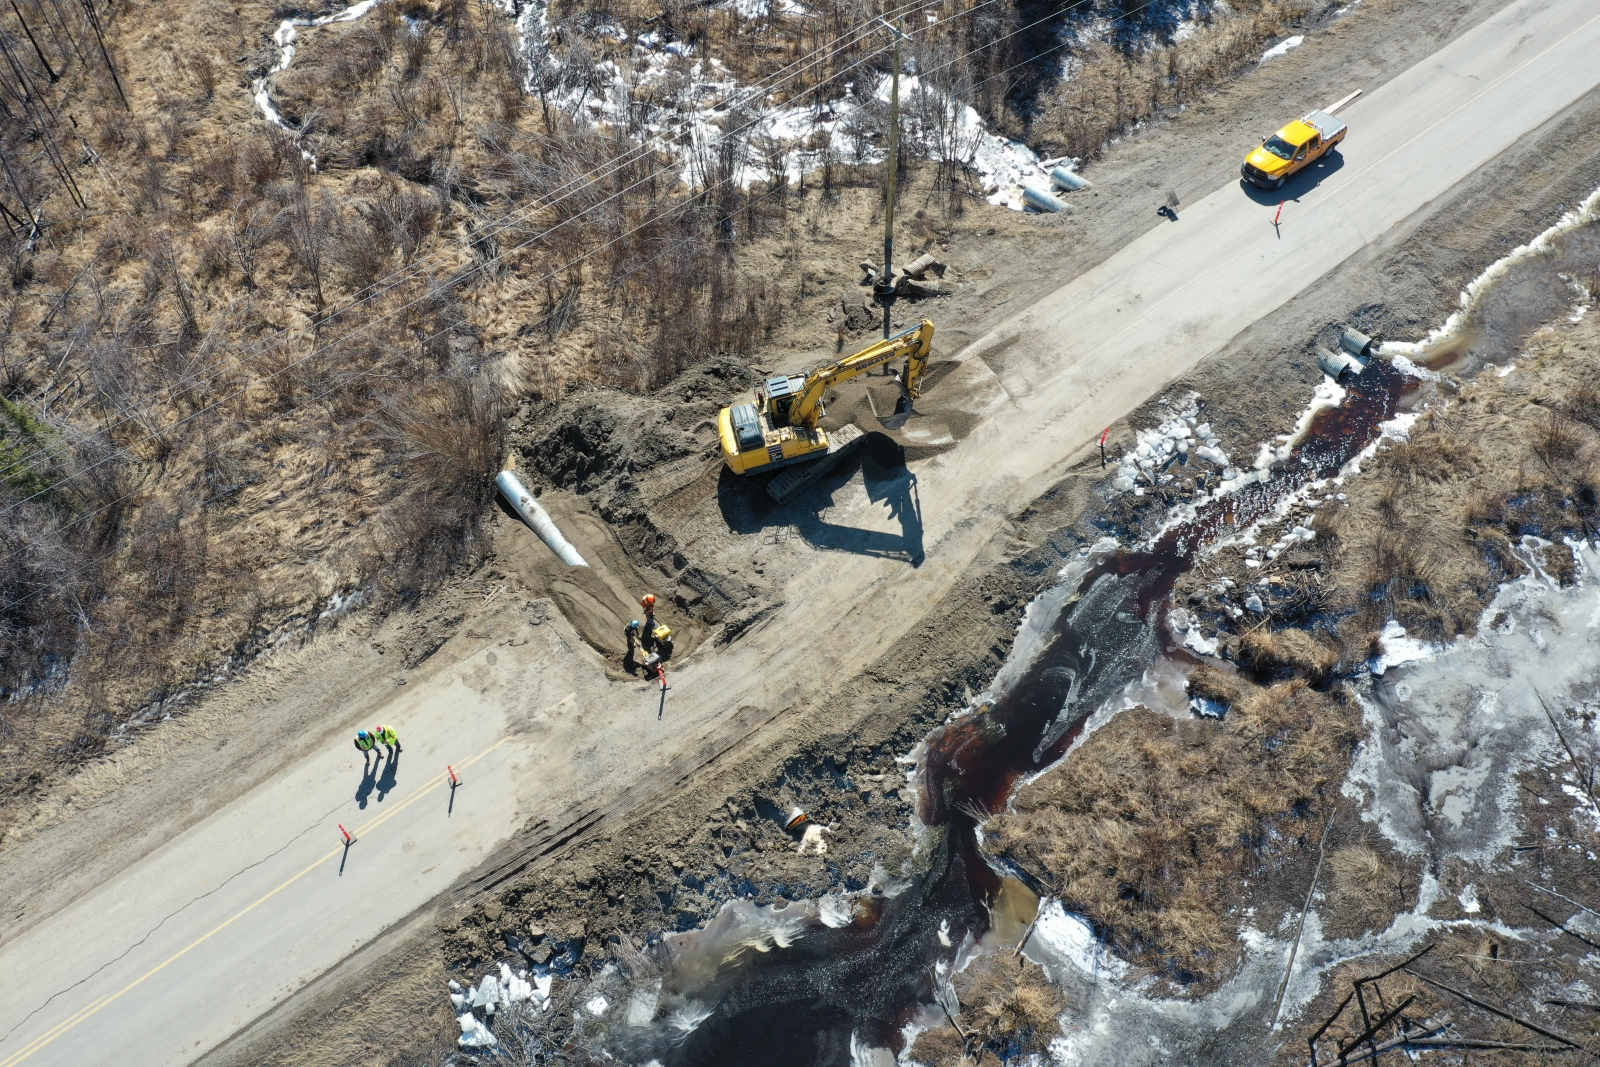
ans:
(885, 286)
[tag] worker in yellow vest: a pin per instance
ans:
(389, 740)
(365, 743)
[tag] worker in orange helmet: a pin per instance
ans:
(647, 635)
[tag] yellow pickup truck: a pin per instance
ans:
(1292, 149)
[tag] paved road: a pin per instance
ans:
(207, 932)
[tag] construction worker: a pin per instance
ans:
(389, 740)
(365, 743)
(632, 633)
(647, 634)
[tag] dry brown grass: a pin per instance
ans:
(1213, 683)
(1147, 827)
(1289, 652)
(1109, 90)
(1008, 1007)
(1438, 522)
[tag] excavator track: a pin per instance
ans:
(841, 442)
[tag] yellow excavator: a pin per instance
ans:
(781, 427)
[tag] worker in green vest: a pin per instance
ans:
(365, 743)
(389, 740)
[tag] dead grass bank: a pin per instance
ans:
(1151, 826)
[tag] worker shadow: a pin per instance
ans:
(388, 779)
(880, 461)
(369, 781)
(1298, 186)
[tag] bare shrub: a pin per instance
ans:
(1582, 402)
(448, 437)
(414, 49)
(1113, 85)
(1556, 440)
(363, 246)
(254, 223)
(1003, 1004)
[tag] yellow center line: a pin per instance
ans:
(61, 1028)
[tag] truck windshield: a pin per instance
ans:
(1279, 147)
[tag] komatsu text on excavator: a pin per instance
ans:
(781, 427)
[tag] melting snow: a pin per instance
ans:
(473, 1033)
(1582, 215)
(1398, 648)
(1282, 47)
(1062, 937)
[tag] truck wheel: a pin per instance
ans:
(1278, 184)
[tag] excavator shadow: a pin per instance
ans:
(880, 461)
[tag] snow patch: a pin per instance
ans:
(1582, 215)
(1062, 937)
(1282, 47)
(1398, 648)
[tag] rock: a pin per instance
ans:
(535, 932)
(493, 910)
(541, 955)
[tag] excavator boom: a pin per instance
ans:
(913, 345)
(782, 426)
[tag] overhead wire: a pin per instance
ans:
(635, 269)
(578, 184)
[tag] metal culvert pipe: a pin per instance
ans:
(1355, 342)
(1337, 364)
(1040, 200)
(1062, 178)
(535, 516)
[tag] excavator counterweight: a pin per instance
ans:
(782, 428)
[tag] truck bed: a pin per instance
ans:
(1330, 128)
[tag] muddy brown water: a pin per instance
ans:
(834, 990)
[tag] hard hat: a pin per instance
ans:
(648, 600)
(663, 633)
(361, 733)
(635, 624)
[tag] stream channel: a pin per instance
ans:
(838, 981)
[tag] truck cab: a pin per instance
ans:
(1292, 149)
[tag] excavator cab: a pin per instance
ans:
(783, 426)
(781, 394)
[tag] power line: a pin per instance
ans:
(732, 176)
(452, 325)
(417, 268)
